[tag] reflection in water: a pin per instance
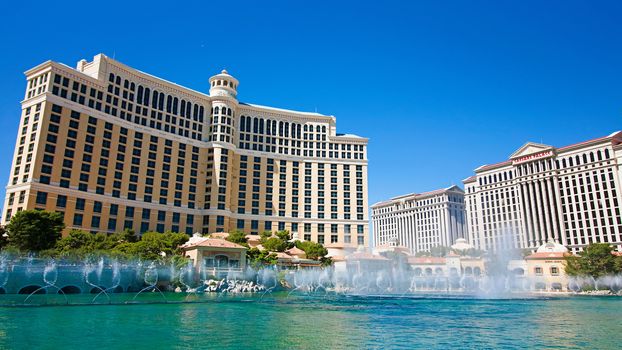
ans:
(336, 322)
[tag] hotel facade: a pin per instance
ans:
(420, 221)
(113, 148)
(571, 195)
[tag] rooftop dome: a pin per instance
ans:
(461, 244)
(552, 247)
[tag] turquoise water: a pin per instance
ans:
(302, 322)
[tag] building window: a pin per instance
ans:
(77, 219)
(61, 201)
(554, 270)
(538, 271)
(42, 198)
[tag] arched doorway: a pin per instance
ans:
(31, 289)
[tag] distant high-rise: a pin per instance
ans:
(114, 148)
(570, 194)
(421, 221)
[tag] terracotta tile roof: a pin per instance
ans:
(493, 166)
(295, 251)
(426, 260)
(612, 135)
(469, 179)
(283, 256)
(214, 243)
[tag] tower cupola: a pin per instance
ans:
(223, 84)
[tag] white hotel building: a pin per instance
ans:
(571, 194)
(421, 221)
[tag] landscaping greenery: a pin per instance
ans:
(277, 242)
(34, 230)
(596, 260)
(40, 232)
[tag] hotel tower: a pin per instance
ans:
(113, 148)
(570, 194)
(421, 221)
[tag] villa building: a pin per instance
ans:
(114, 148)
(570, 194)
(421, 221)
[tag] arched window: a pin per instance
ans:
(188, 109)
(584, 158)
(299, 133)
(161, 102)
(286, 129)
(146, 97)
(132, 86)
(324, 128)
(577, 159)
(111, 78)
(242, 123)
(201, 112)
(118, 81)
(217, 110)
(169, 103)
(592, 157)
(182, 108)
(564, 163)
(139, 95)
(126, 84)
(570, 161)
(305, 128)
(317, 128)
(280, 128)
(154, 99)
(196, 112)
(599, 155)
(268, 127)
(255, 125)
(606, 153)
(261, 126)
(229, 112)
(175, 105)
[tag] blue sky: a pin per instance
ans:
(439, 87)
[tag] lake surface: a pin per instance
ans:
(304, 322)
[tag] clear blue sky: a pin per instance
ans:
(439, 87)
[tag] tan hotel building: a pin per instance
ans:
(420, 221)
(571, 195)
(113, 148)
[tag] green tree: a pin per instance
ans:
(35, 230)
(74, 240)
(129, 235)
(264, 236)
(283, 235)
(275, 244)
(312, 250)
(238, 237)
(595, 260)
(259, 258)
